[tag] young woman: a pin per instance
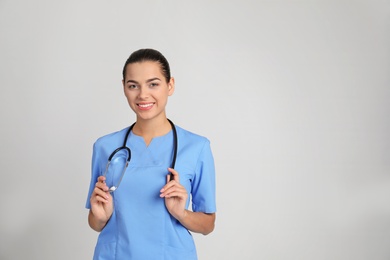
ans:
(145, 215)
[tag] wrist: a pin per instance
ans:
(183, 216)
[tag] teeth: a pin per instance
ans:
(145, 105)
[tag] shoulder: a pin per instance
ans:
(186, 137)
(114, 138)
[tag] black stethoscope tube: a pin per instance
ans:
(174, 145)
(124, 147)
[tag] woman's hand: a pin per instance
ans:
(175, 200)
(175, 196)
(101, 205)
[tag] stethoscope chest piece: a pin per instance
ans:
(123, 148)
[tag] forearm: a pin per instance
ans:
(95, 223)
(198, 222)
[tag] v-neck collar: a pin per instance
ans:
(155, 140)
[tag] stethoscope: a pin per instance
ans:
(124, 147)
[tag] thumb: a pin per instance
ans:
(173, 175)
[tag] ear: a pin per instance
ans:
(171, 86)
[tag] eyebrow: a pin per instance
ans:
(149, 80)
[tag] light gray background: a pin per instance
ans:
(294, 96)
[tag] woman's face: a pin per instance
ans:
(146, 89)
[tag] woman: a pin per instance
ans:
(147, 216)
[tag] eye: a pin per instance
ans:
(132, 86)
(153, 84)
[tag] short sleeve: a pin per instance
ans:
(94, 174)
(203, 185)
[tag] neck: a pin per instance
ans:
(151, 128)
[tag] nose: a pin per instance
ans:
(143, 93)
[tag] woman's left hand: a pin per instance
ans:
(175, 195)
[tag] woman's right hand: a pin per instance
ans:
(101, 205)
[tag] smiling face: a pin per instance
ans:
(147, 90)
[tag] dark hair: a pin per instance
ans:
(149, 55)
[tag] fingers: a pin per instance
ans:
(101, 183)
(100, 192)
(100, 195)
(178, 194)
(174, 175)
(101, 179)
(173, 189)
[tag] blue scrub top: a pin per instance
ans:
(140, 227)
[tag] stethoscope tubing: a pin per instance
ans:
(175, 141)
(117, 150)
(124, 147)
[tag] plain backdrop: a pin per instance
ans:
(293, 95)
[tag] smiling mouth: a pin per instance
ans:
(144, 106)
